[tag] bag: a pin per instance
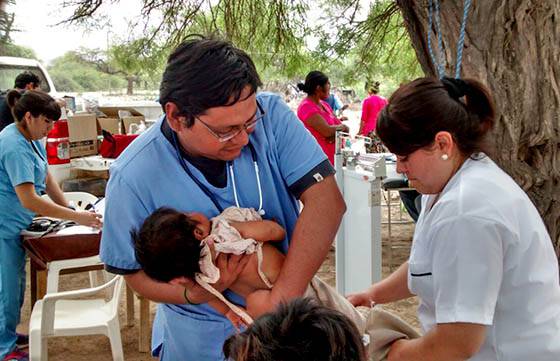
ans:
(41, 226)
(113, 145)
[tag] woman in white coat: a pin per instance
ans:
(482, 262)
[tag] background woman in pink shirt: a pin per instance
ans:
(370, 109)
(316, 114)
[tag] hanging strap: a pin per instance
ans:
(433, 15)
(259, 266)
(466, 7)
(433, 12)
(238, 310)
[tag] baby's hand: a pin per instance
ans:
(236, 321)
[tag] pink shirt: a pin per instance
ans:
(305, 110)
(370, 110)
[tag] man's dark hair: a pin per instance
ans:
(36, 102)
(25, 78)
(203, 73)
(166, 247)
(298, 331)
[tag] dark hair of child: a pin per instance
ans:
(301, 330)
(165, 245)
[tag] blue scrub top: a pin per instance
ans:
(333, 101)
(19, 163)
(148, 175)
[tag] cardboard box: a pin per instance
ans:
(112, 125)
(123, 121)
(82, 131)
(127, 121)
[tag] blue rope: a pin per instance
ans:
(432, 56)
(461, 42)
(441, 68)
(433, 11)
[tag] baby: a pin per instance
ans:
(172, 245)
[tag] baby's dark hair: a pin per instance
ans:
(165, 245)
(301, 330)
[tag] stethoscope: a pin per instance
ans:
(232, 175)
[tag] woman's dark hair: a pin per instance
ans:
(314, 79)
(35, 102)
(166, 247)
(298, 331)
(372, 87)
(417, 111)
(203, 73)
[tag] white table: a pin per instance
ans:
(95, 163)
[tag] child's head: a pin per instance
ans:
(168, 243)
(298, 331)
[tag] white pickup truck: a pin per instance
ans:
(10, 67)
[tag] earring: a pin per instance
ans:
(444, 157)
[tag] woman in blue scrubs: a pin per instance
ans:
(23, 177)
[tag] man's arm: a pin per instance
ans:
(311, 240)
(445, 342)
(230, 267)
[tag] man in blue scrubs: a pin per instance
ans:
(219, 144)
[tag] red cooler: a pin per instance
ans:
(58, 146)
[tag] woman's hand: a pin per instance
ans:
(88, 218)
(343, 128)
(360, 299)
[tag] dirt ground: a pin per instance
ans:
(94, 348)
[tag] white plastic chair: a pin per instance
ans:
(68, 314)
(79, 199)
(54, 268)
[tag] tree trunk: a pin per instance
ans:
(512, 47)
(130, 86)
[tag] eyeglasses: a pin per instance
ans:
(235, 130)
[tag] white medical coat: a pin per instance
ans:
(482, 255)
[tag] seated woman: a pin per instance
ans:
(177, 247)
(317, 115)
(301, 330)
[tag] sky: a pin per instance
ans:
(37, 19)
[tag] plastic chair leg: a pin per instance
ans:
(38, 350)
(114, 334)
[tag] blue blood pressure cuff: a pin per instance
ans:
(315, 175)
